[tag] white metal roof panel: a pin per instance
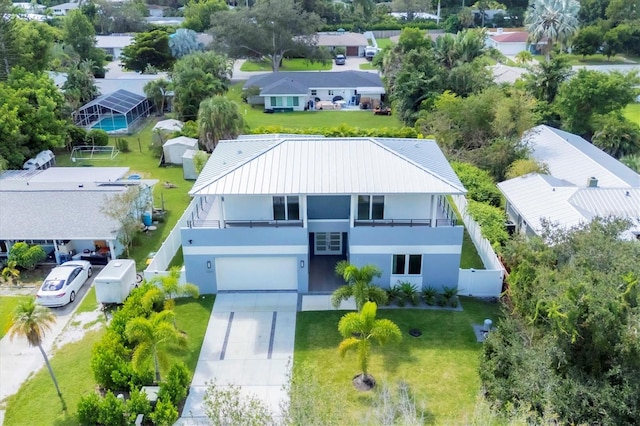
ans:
(603, 202)
(318, 166)
(572, 158)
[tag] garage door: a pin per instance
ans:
(257, 273)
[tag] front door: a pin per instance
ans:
(328, 243)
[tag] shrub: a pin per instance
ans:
(429, 295)
(165, 413)
(478, 182)
(137, 404)
(491, 220)
(409, 293)
(76, 135)
(89, 409)
(97, 137)
(122, 144)
(249, 92)
(176, 384)
(393, 294)
(449, 296)
(341, 131)
(112, 411)
(26, 256)
(110, 362)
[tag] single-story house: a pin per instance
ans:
(277, 212)
(299, 91)
(508, 43)
(583, 182)
(353, 43)
(175, 148)
(155, 10)
(64, 8)
(62, 209)
(113, 44)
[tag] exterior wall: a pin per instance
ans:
(207, 244)
(248, 207)
(328, 94)
(284, 102)
(407, 206)
(328, 207)
(440, 248)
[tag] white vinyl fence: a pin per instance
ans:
(474, 282)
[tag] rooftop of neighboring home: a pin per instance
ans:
(290, 83)
(113, 41)
(296, 164)
(509, 37)
(341, 38)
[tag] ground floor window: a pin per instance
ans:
(289, 101)
(407, 264)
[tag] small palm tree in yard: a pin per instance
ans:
(359, 329)
(358, 285)
(155, 338)
(31, 321)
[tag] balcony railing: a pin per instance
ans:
(245, 224)
(404, 222)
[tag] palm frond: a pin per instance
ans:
(341, 294)
(348, 344)
(350, 323)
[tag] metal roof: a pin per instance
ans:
(67, 174)
(113, 41)
(301, 82)
(536, 197)
(293, 165)
(574, 159)
(121, 101)
(171, 125)
(342, 39)
(182, 140)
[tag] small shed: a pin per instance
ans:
(188, 165)
(175, 148)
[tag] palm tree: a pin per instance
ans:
(358, 285)
(358, 330)
(524, 57)
(171, 288)
(219, 118)
(32, 321)
(553, 20)
(155, 337)
(155, 90)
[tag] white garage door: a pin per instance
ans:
(257, 273)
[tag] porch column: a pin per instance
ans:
(112, 250)
(434, 210)
(303, 206)
(56, 252)
(352, 210)
(222, 216)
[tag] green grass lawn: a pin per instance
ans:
(296, 64)
(89, 303)
(366, 66)
(632, 112)
(470, 257)
(36, 403)
(7, 305)
(441, 366)
(597, 59)
(383, 42)
(141, 160)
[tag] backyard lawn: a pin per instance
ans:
(7, 305)
(441, 366)
(598, 59)
(296, 64)
(632, 112)
(37, 403)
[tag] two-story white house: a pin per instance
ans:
(277, 212)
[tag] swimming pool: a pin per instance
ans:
(111, 124)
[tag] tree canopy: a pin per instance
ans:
(197, 13)
(270, 29)
(149, 49)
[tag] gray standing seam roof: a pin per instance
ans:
(121, 101)
(310, 80)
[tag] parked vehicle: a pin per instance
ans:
(370, 52)
(63, 283)
(341, 59)
(115, 282)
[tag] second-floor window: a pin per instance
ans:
(286, 207)
(370, 207)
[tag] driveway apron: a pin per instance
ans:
(248, 344)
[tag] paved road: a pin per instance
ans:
(18, 360)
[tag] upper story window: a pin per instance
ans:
(286, 207)
(370, 207)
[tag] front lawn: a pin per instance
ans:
(598, 59)
(632, 112)
(441, 366)
(383, 42)
(37, 403)
(296, 64)
(7, 306)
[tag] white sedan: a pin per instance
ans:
(63, 283)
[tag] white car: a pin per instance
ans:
(63, 283)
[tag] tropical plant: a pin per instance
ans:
(409, 293)
(31, 321)
(449, 295)
(172, 288)
(525, 166)
(155, 338)
(225, 406)
(429, 295)
(393, 294)
(10, 272)
(359, 329)
(524, 57)
(553, 21)
(219, 118)
(26, 256)
(632, 161)
(358, 285)
(156, 91)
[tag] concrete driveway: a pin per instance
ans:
(249, 344)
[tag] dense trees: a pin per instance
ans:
(79, 34)
(271, 29)
(570, 331)
(198, 13)
(149, 49)
(552, 21)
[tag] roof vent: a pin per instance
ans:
(239, 152)
(117, 264)
(628, 194)
(592, 182)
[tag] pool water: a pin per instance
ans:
(110, 124)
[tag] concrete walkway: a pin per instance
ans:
(249, 344)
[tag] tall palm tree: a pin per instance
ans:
(219, 118)
(155, 337)
(31, 321)
(358, 285)
(553, 20)
(156, 90)
(358, 330)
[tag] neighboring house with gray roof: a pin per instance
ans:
(353, 43)
(298, 91)
(583, 183)
(62, 209)
(276, 212)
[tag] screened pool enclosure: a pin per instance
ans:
(117, 112)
